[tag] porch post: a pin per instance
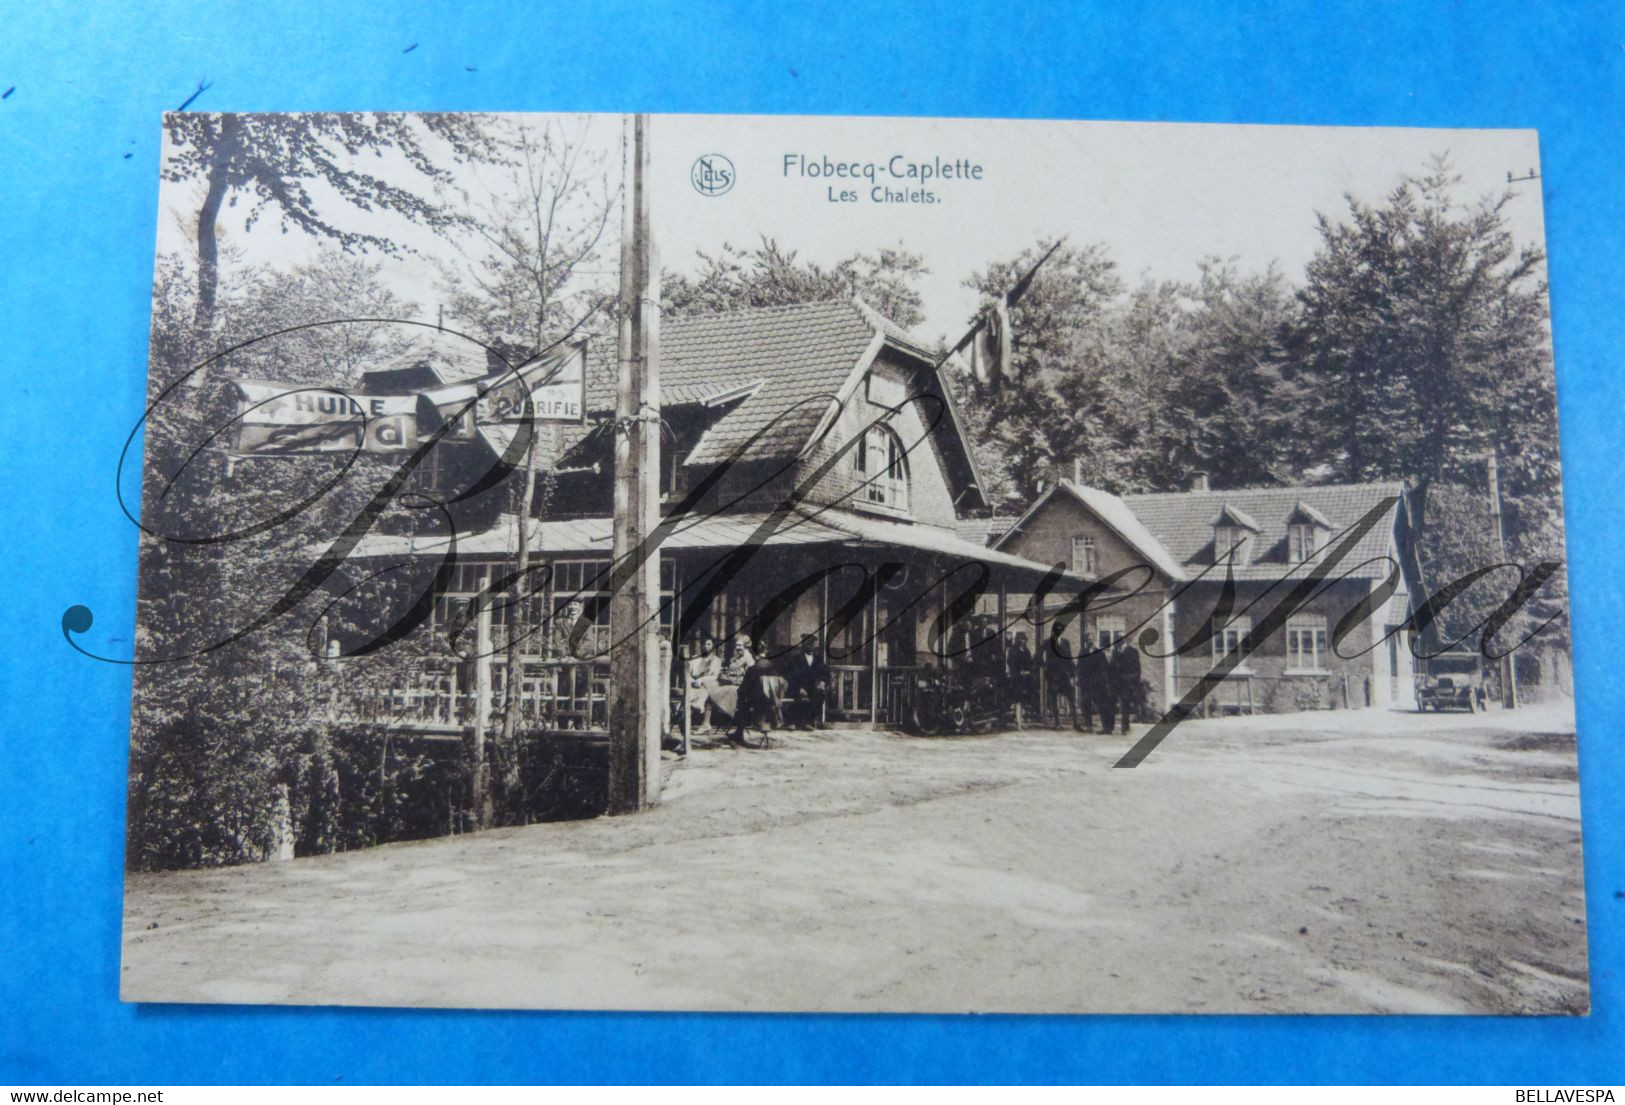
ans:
(874, 656)
(1040, 644)
(823, 633)
(481, 780)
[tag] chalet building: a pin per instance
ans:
(840, 472)
(1181, 546)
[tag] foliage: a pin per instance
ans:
(527, 274)
(771, 276)
(294, 165)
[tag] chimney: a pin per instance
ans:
(1077, 471)
(1199, 481)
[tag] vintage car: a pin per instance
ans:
(1452, 681)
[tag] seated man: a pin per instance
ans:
(761, 693)
(808, 678)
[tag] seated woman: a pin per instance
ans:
(701, 670)
(722, 692)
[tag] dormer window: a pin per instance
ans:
(1300, 542)
(1233, 534)
(882, 469)
(1228, 541)
(1306, 533)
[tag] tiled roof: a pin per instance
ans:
(802, 354)
(983, 531)
(450, 357)
(799, 354)
(1183, 522)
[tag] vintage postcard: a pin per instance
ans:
(851, 564)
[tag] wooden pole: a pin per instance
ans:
(634, 716)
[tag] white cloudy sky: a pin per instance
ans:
(1159, 196)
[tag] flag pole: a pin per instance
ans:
(1017, 290)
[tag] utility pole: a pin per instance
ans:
(1509, 675)
(637, 702)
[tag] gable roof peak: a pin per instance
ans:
(1302, 511)
(1234, 516)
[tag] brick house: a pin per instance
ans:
(1175, 550)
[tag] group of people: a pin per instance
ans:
(745, 687)
(1100, 685)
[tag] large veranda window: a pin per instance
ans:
(882, 468)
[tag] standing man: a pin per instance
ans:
(1125, 680)
(1021, 673)
(808, 677)
(1094, 687)
(1060, 678)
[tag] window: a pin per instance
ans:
(1305, 641)
(1109, 629)
(882, 469)
(1083, 556)
(1230, 541)
(1230, 636)
(1300, 542)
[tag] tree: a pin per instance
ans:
(1066, 301)
(275, 160)
(1422, 348)
(1422, 342)
(1215, 388)
(527, 274)
(216, 736)
(528, 284)
(772, 276)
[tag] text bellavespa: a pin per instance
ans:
(912, 176)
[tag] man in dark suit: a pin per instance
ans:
(1125, 680)
(1060, 680)
(1094, 687)
(1019, 662)
(808, 677)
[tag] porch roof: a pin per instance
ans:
(593, 537)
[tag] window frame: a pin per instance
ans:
(1109, 629)
(888, 488)
(1302, 542)
(1228, 636)
(1090, 564)
(1315, 625)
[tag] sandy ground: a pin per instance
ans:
(1347, 862)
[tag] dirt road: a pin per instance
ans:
(1347, 862)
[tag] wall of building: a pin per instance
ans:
(1358, 677)
(1047, 538)
(930, 500)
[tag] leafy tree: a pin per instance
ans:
(1423, 343)
(529, 271)
(1032, 424)
(294, 164)
(770, 276)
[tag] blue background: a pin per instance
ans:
(78, 181)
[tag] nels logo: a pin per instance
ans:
(712, 175)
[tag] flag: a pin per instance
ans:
(284, 419)
(990, 348)
(989, 337)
